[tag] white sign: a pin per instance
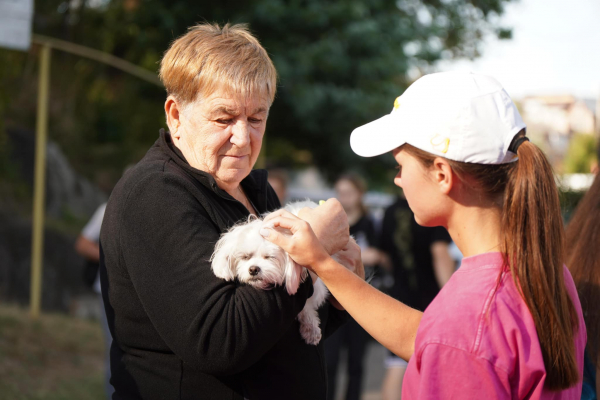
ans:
(15, 23)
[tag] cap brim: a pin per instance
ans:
(377, 137)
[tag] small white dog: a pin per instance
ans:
(243, 253)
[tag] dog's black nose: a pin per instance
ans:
(254, 270)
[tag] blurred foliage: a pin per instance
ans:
(569, 199)
(581, 154)
(340, 64)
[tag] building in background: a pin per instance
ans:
(552, 121)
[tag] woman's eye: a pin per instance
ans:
(255, 120)
(399, 168)
(224, 121)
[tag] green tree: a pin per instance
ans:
(581, 154)
(341, 63)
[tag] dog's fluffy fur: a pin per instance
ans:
(244, 254)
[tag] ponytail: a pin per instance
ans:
(533, 241)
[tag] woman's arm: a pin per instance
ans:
(390, 322)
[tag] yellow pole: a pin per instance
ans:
(37, 246)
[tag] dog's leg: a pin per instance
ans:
(309, 317)
(309, 326)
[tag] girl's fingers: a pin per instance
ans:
(275, 237)
(272, 215)
(279, 213)
(292, 224)
(302, 245)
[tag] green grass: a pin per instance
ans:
(55, 358)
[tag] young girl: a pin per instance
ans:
(508, 324)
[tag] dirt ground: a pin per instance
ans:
(55, 357)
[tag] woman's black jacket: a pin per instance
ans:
(180, 332)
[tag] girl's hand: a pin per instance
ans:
(302, 245)
(328, 221)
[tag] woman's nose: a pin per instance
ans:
(254, 270)
(241, 134)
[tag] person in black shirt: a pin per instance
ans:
(421, 265)
(179, 332)
(350, 189)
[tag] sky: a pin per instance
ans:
(555, 49)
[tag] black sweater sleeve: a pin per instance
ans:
(167, 239)
(331, 319)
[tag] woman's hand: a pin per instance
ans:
(303, 245)
(350, 258)
(328, 221)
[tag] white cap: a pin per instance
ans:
(462, 116)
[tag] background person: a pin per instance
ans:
(508, 324)
(87, 246)
(279, 179)
(178, 330)
(421, 266)
(583, 260)
(350, 189)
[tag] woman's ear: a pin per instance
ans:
(173, 113)
(442, 174)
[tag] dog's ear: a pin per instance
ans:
(294, 275)
(223, 259)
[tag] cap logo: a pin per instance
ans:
(397, 102)
(440, 143)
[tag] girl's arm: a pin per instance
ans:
(390, 322)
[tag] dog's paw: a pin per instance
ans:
(310, 333)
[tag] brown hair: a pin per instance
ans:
(209, 58)
(533, 247)
(583, 259)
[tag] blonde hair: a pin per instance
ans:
(210, 58)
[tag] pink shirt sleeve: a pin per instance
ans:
(449, 373)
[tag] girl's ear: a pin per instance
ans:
(293, 275)
(442, 174)
(223, 259)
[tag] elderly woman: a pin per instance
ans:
(179, 331)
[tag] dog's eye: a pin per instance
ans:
(268, 257)
(246, 256)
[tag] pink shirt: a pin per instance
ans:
(474, 344)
